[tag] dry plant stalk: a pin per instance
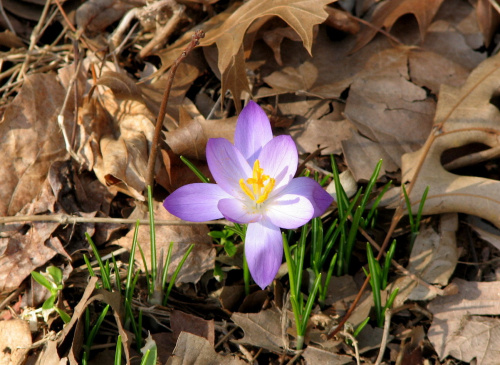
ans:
(161, 114)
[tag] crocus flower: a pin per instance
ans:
(255, 185)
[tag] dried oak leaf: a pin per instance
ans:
(388, 12)
(30, 141)
(229, 34)
(464, 116)
(15, 341)
(456, 330)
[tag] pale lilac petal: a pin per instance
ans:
(289, 211)
(279, 160)
(263, 251)
(196, 202)
(236, 211)
(227, 166)
(311, 190)
(253, 131)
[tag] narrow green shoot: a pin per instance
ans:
(118, 351)
(105, 276)
(195, 170)
(53, 281)
(176, 273)
(89, 339)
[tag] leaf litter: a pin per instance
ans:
(411, 82)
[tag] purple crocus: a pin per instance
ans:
(255, 185)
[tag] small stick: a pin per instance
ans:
(68, 219)
(161, 114)
(385, 336)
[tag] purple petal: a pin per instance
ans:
(264, 251)
(253, 131)
(311, 190)
(227, 166)
(236, 211)
(279, 160)
(289, 211)
(196, 202)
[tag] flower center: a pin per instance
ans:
(259, 186)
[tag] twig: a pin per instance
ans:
(68, 219)
(162, 34)
(385, 336)
(354, 344)
(6, 18)
(161, 114)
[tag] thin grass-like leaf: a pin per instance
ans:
(118, 351)
(176, 272)
(104, 273)
(195, 170)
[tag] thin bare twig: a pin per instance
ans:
(161, 114)
(354, 344)
(385, 336)
(68, 219)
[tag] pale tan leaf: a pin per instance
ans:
(464, 116)
(450, 332)
(487, 19)
(433, 258)
(15, 341)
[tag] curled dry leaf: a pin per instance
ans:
(388, 12)
(228, 32)
(96, 15)
(464, 116)
(191, 137)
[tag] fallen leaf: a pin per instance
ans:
(193, 350)
(191, 137)
(95, 15)
(184, 322)
(31, 140)
(463, 116)
(230, 31)
(315, 355)
(453, 330)
(488, 20)
(433, 258)
(15, 341)
(388, 12)
(200, 260)
(263, 329)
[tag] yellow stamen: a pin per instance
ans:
(246, 189)
(257, 182)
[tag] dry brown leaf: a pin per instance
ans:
(15, 341)
(25, 249)
(200, 260)
(464, 116)
(30, 140)
(488, 20)
(388, 12)
(261, 329)
(228, 33)
(191, 137)
(96, 15)
(453, 330)
(184, 322)
(433, 258)
(314, 355)
(193, 350)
